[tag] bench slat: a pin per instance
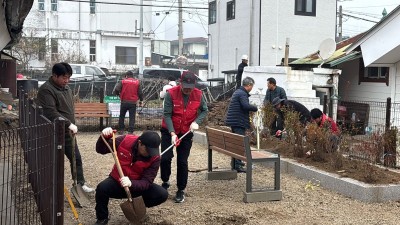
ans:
(91, 115)
(212, 131)
(236, 156)
(262, 155)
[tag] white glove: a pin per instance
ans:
(194, 126)
(73, 128)
(107, 132)
(125, 182)
(174, 139)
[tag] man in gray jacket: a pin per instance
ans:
(56, 98)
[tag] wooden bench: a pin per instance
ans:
(92, 110)
(238, 146)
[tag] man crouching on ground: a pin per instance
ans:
(139, 157)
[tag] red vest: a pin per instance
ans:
(129, 90)
(182, 117)
(124, 153)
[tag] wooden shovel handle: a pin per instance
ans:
(114, 154)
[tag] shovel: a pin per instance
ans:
(77, 191)
(134, 209)
(171, 146)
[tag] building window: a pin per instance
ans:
(373, 74)
(41, 49)
(92, 51)
(305, 7)
(41, 5)
(54, 4)
(230, 10)
(92, 6)
(212, 12)
(125, 55)
(54, 50)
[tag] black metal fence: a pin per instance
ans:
(32, 169)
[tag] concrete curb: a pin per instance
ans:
(345, 186)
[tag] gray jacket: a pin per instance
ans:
(278, 92)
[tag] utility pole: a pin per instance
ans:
(141, 39)
(340, 26)
(180, 31)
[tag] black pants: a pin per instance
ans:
(241, 131)
(68, 152)
(182, 155)
(110, 188)
(125, 107)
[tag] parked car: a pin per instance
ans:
(87, 72)
(164, 73)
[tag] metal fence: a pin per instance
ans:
(32, 169)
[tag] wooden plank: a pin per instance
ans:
(235, 141)
(237, 149)
(236, 156)
(91, 115)
(262, 155)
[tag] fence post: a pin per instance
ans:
(58, 171)
(388, 108)
(325, 107)
(101, 101)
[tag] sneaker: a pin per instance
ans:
(87, 189)
(165, 185)
(180, 196)
(101, 222)
(240, 169)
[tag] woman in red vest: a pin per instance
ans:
(184, 108)
(139, 157)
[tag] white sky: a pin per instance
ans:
(368, 9)
(196, 20)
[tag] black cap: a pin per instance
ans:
(277, 100)
(152, 142)
(188, 79)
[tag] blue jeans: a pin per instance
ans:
(125, 107)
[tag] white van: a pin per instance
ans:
(87, 72)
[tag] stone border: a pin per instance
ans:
(345, 186)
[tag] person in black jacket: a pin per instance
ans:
(242, 65)
(238, 114)
(278, 103)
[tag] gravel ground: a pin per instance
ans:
(220, 202)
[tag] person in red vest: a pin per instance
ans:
(129, 92)
(139, 157)
(184, 108)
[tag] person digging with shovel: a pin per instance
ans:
(139, 158)
(184, 108)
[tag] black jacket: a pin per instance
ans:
(304, 113)
(239, 74)
(239, 108)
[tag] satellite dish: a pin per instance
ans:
(326, 48)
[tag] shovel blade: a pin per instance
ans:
(80, 195)
(134, 211)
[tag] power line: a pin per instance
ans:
(359, 18)
(371, 6)
(164, 17)
(134, 4)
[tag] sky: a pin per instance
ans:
(196, 20)
(367, 9)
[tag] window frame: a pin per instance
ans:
(212, 12)
(125, 61)
(92, 5)
(303, 11)
(41, 5)
(364, 75)
(54, 50)
(92, 50)
(41, 49)
(54, 5)
(230, 10)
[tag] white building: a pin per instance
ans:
(104, 33)
(260, 28)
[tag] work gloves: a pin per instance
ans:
(175, 140)
(125, 182)
(280, 133)
(194, 126)
(107, 132)
(73, 128)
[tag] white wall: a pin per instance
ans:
(228, 40)
(112, 25)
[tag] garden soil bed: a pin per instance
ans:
(220, 202)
